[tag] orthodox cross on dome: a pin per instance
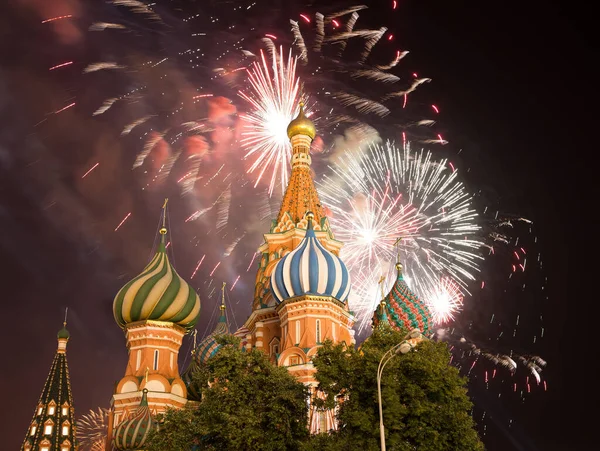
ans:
(163, 229)
(222, 307)
(397, 244)
(380, 282)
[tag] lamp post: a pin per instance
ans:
(403, 347)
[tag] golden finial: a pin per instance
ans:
(163, 229)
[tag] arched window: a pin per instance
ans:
(297, 332)
(138, 361)
(155, 365)
(64, 411)
(51, 408)
(318, 331)
(274, 346)
(65, 428)
(48, 425)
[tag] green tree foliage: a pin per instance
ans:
(425, 402)
(247, 404)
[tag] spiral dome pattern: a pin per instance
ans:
(131, 434)
(310, 269)
(209, 346)
(403, 309)
(159, 294)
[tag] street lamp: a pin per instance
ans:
(403, 347)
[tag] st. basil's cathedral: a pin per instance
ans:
(300, 301)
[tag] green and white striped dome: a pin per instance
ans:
(158, 294)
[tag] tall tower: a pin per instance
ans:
(53, 425)
(302, 286)
(155, 310)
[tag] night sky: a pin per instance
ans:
(514, 82)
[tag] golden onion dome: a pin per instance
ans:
(301, 125)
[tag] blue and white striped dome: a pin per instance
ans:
(310, 269)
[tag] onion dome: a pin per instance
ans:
(63, 333)
(403, 309)
(301, 125)
(209, 346)
(189, 379)
(310, 269)
(132, 433)
(380, 315)
(158, 294)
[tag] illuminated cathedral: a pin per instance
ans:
(300, 300)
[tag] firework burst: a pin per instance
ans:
(92, 428)
(386, 193)
(273, 99)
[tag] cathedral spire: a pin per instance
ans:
(53, 424)
(301, 195)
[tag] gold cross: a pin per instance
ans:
(380, 282)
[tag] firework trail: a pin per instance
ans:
(92, 428)
(468, 355)
(351, 86)
(386, 193)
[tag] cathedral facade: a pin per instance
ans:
(300, 300)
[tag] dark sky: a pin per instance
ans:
(515, 84)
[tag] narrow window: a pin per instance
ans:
(65, 448)
(51, 410)
(33, 429)
(155, 359)
(171, 359)
(284, 332)
(65, 429)
(40, 410)
(44, 448)
(322, 422)
(297, 331)
(48, 429)
(318, 331)
(139, 359)
(65, 411)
